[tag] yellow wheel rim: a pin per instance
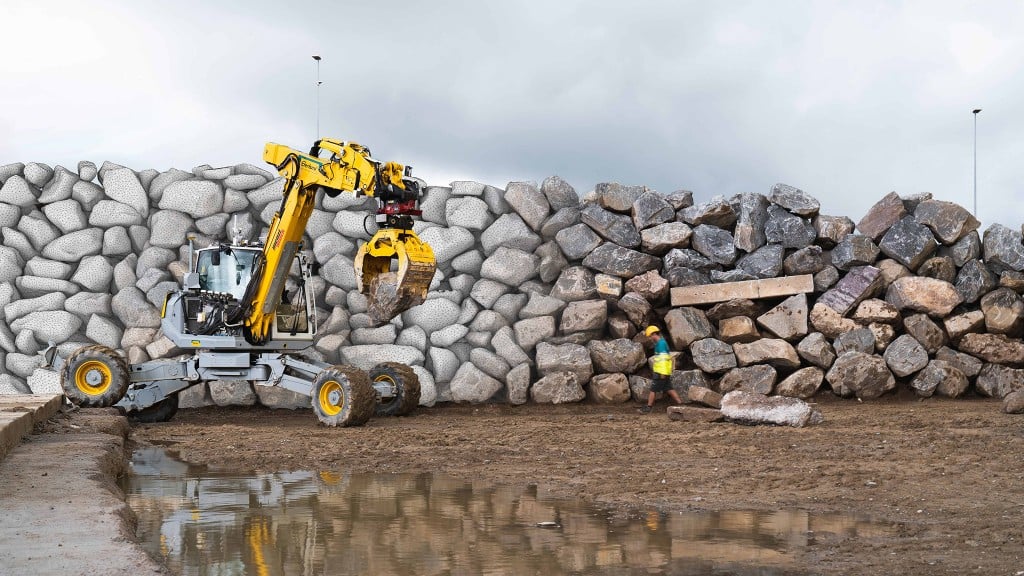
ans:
(93, 377)
(329, 389)
(384, 378)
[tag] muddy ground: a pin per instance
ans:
(945, 476)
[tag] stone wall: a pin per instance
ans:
(539, 294)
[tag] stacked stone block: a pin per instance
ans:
(539, 295)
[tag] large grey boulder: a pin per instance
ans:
(809, 260)
(132, 308)
(997, 381)
(686, 325)
(531, 331)
(232, 393)
(467, 212)
(559, 193)
(659, 239)
(712, 356)
(908, 242)
(109, 213)
(470, 384)
(577, 241)
(432, 315)
(716, 212)
(651, 209)
(584, 316)
(367, 356)
(789, 230)
(11, 264)
(865, 376)
(948, 221)
(974, 281)
(619, 261)
(938, 374)
(49, 325)
(557, 388)
(16, 191)
(510, 266)
(489, 363)
(617, 197)
(794, 200)
(776, 352)
(197, 198)
(448, 243)
(752, 408)
(572, 358)
(505, 344)
(104, 331)
(123, 185)
(714, 243)
(1003, 249)
(765, 262)
(529, 202)
(59, 187)
(559, 221)
(75, 246)
(66, 215)
(511, 231)
(619, 355)
(788, 320)
(94, 274)
(854, 250)
(617, 228)
(905, 356)
(752, 215)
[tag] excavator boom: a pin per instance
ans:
(348, 168)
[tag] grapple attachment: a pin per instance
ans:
(391, 292)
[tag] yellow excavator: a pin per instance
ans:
(234, 314)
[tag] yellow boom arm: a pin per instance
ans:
(349, 168)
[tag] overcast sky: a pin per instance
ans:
(846, 100)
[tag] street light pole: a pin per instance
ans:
(975, 112)
(318, 83)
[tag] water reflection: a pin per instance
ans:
(215, 523)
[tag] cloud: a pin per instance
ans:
(846, 101)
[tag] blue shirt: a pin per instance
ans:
(661, 347)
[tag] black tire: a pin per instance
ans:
(162, 411)
(94, 377)
(407, 388)
(342, 396)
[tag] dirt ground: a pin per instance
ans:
(945, 476)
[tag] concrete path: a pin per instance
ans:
(62, 512)
(19, 413)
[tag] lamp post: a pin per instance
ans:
(318, 83)
(975, 112)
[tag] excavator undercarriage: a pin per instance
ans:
(243, 315)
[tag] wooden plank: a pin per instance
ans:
(751, 289)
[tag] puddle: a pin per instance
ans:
(202, 522)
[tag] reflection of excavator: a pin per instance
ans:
(230, 309)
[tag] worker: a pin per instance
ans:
(662, 370)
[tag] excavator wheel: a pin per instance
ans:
(407, 388)
(343, 396)
(94, 377)
(162, 411)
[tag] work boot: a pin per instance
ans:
(645, 410)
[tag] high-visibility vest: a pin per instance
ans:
(662, 364)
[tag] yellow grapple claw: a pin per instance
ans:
(392, 292)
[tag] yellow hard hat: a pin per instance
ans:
(651, 330)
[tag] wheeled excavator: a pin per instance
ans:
(238, 322)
